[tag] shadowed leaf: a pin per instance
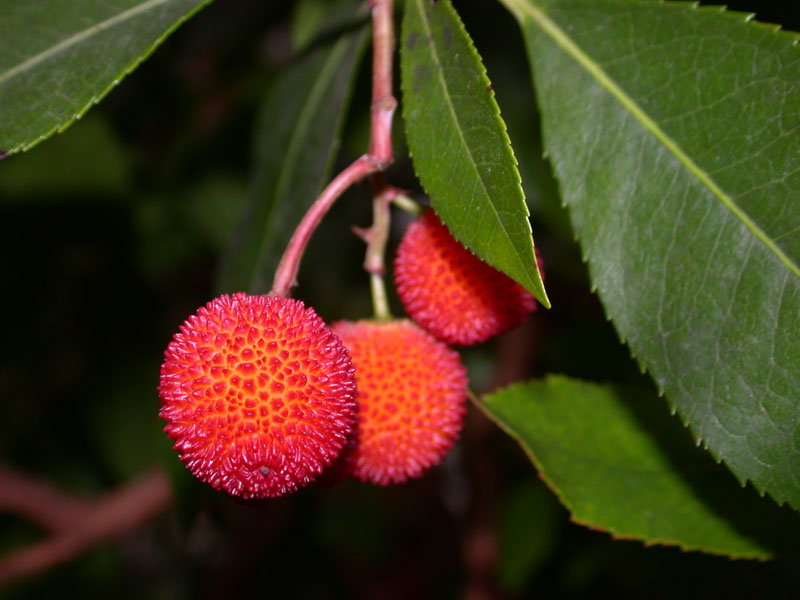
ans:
(675, 133)
(620, 463)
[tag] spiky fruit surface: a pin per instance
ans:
(450, 291)
(258, 393)
(411, 400)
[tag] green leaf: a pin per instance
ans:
(59, 58)
(459, 145)
(619, 463)
(306, 20)
(674, 131)
(297, 138)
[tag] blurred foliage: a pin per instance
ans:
(110, 235)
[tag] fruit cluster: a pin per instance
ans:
(260, 395)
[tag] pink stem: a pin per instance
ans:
(286, 273)
(378, 234)
(377, 159)
(383, 101)
(91, 521)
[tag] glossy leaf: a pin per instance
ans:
(297, 138)
(621, 464)
(459, 145)
(58, 58)
(674, 133)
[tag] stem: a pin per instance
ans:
(39, 501)
(383, 102)
(75, 525)
(286, 273)
(378, 158)
(380, 303)
(376, 237)
(408, 205)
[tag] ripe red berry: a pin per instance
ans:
(451, 292)
(411, 400)
(258, 394)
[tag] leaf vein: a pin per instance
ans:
(78, 38)
(446, 93)
(527, 11)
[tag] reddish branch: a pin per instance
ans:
(39, 502)
(286, 273)
(377, 159)
(74, 524)
(383, 101)
(77, 524)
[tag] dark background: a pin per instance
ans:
(110, 236)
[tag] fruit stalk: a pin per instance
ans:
(408, 205)
(377, 159)
(376, 238)
(286, 273)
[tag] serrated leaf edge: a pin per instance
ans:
(522, 9)
(537, 282)
(86, 34)
(673, 408)
(483, 404)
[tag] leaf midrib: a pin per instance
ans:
(461, 136)
(77, 38)
(522, 9)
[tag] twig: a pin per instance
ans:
(377, 159)
(383, 101)
(376, 238)
(40, 502)
(90, 521)
(286, 273)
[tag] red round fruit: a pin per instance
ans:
(451, 292)
(258, 394)
(411, 400)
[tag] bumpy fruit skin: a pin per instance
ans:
(258, 394)
(411, 400)
(450, 291)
